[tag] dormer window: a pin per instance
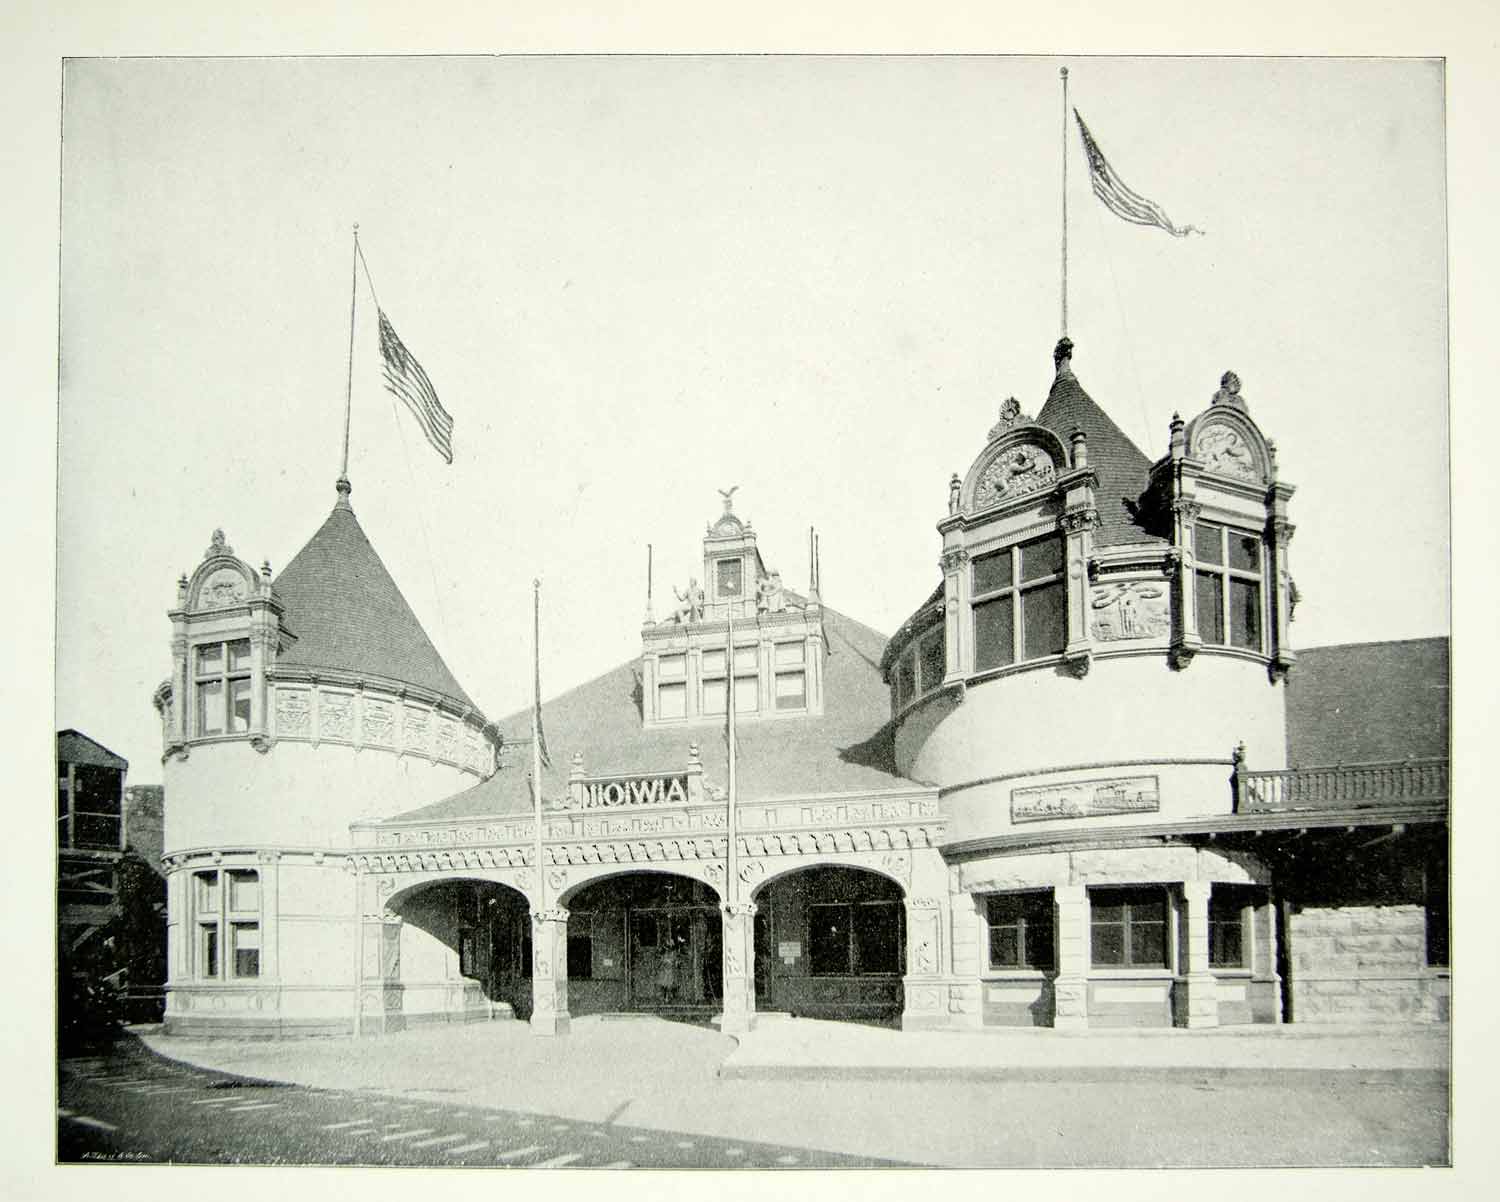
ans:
(791, 675)
(221, 679)
(671, 691)
(730, 580)
(1228, 586)
(746, 681)
(1020, 604)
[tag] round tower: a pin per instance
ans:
(296, 706)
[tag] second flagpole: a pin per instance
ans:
(1064, 74)
(349, 381)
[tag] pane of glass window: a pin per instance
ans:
(933, 665)
(96, 830)
(1106, 907)
(1044, 619)
(746, 659)
(877, 938)
(1108, 944)
(828, 940)
(244, 890)
(713, 696)
(713, 662)
(1210, 607)
(1148, 943)
(210, 962)
(211, 659)
(211, 707)
(731, 577)
(208, 892)
(96, 789)
(239, 655)
(1226, 943)
(994, 634)
(992, 572)
(1244, 613)
(246, 936)
(1004, 908)
(239, 705)
(1208, 543)
(1041, 558)
(791, 691)
(746, 694)
(1005, 947)
(790, 654)
(906, 680)
(1039, 939)
(1148, 905)
(671, 700)
(672, 667)
(1244, 552)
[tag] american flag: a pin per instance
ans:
(1117, 196)
(406, 379)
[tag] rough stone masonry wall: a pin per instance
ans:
(1363, 964)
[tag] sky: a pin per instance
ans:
(635, 281)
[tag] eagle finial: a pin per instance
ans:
(728, 495)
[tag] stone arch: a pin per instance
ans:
(577, 876)
(893, 865)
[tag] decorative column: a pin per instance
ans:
(957, 655)
(739, 967)
(923, 985)
(1185, 510)
(1200, 1006)
(549, 972)
(1280, 531)
(1071, 987)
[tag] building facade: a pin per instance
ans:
(1088, 783)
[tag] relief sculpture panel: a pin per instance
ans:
(1014, 473)
(1134, 610)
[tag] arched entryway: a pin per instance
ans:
(645, 942)
(830, 942)
(456, 950)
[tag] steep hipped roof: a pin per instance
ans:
(1368, 702)
(1120, 465)
(347, 613)
(847, 749)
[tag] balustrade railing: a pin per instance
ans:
(1349, 785)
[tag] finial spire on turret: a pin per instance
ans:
(1062, 356)
(344, 488)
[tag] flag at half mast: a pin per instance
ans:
(1118, 197)
(406, 379)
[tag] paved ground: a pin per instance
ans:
(650, 1093)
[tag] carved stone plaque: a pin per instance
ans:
(1015, 472)
(1223, 451)
(1085, 799)
(1133, 610)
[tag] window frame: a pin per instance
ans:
(730, 671)
(1221, 899)
(786, 669)
(1037, 900)
(226, 677)
(216, 925)
(853, 966)
(1016, 591)
(1130, 897)
(1225, 574)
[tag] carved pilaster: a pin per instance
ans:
(924, 993)
(956, 650)
(549, 972)
(739, 967)
(1185, 637)
(1279, 532)
(1199, 1003)
(1079, 523)
(1071, 988)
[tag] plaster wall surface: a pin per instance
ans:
(227, 794)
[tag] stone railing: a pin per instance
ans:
(1348, 786)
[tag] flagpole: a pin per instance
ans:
(731, 879)
(1065, 203)
(349, 381)
(536, 740)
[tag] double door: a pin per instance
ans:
(676, 958)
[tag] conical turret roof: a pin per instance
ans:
(348, 615)
(1121, 466)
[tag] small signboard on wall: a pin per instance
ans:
(789, 951)
(1085, 799)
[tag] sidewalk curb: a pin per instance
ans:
(1311, 1078)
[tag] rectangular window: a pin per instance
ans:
(746, 694)
(1021, 930)
(221, 677)
(1226, 928)
(791, 655)
(671, 701)
(930, 661)
(791, 691)
(731, 574)
(713, 662)
(713, 696)
(1128, 928)
(671, 667)
(227, 910)
(877, 938)
(1020, 604)
(746, 659)
(1229, 581)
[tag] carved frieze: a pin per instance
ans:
(417, 729)
(379, 723)
(1135, 609)
(1017, 471)
(447, 738)
(335, 716)
(293, 712)
(1085, 799)
(1224, 451)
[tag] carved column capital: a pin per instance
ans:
(953, 559)
(1186, 509)
(739, 909)
(551, 914)
(1282, 530)
(1078, 520)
